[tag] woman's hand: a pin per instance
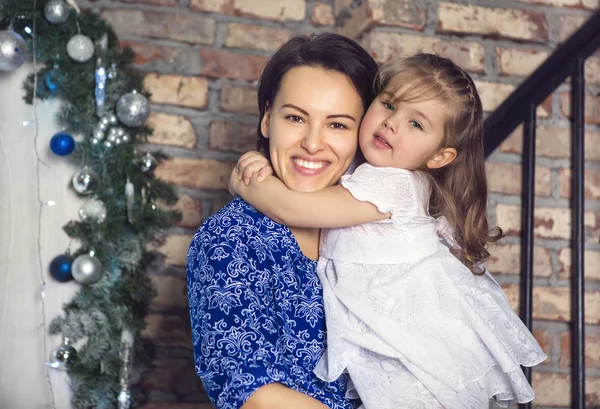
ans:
(249, 164)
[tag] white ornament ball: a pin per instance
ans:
(93, 210)
(80, 48)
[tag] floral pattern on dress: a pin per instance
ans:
(256, 310)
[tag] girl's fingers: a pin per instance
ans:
(264, 172)
(250, 169)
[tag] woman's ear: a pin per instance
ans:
(264, 123)
(442, 158)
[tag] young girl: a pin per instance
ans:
(411, 314)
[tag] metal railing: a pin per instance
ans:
(520, 107)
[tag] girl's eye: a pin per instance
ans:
(416, 125)
(388, 106)
(293, 118)
(337, 125)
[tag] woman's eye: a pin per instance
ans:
(293, 118)
(389, 106)
(416, 125)
(337, 125)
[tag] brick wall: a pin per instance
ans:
(203, 58)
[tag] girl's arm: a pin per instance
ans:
(278, 396)
(331, 207)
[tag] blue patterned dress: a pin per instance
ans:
(256, 309)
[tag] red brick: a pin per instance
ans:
(239, 99)
(322, 15)
(591, 183)
(237, 66)
(493, 94)
(153, 2)
(592, 5)
(555, 3)
(174, 130)
(592, 70)
(171, 292)
(191, 211)
(592, 108)
(196, 173)
(177, 90)
(169, 331)
(518, 62)
(232, 136)
(385, 46)
(553, 142)
(190, 28)
(370, 13)
(174, 247)
(592, 350)
(255, 37)
(516, 24)
(173, 375)
(552, 389)
(281, 10)
(506, 259)
(219, 202)
(554, 303)
(158, 57)
(568, 25)
(507, 178)
(543, 338)
(549, 223)
(591, 261)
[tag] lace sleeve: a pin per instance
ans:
(398, 191)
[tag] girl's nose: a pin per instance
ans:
(390, 123)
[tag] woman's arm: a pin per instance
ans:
(331, 207)
(278, 396)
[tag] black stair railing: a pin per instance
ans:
(520, 107)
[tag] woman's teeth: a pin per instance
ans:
(308, 164)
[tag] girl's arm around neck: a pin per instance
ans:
(327, 208)
(278, 396)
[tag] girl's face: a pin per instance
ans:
(401, 134)
(312, 126)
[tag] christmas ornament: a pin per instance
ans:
(104, 127)
(64, 356)
(86, 269)
(100, 90)
(80, 48)
(133, 109)
(130, 195)
(49, 81)
(147, 164)
(93, 210)
(84, 180)
(56, 11)
(60, 268)
(62, 144)
(13, 50)
(126, 352)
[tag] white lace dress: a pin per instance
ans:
(412, 325)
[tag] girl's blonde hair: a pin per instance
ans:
(459, 190)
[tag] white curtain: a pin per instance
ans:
(31, 236)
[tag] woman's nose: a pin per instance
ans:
(314, 140)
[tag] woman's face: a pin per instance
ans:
(312, 126)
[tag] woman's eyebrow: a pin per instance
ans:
(328, 117)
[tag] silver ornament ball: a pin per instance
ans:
(147, 164)
(56, 11)
(84, 181)
(80, 48)
(133, 109)
(13, 50)
(93, 210)
(64, 356)
(112, 119)
(86, 269)
(98, 134)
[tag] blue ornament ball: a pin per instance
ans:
(50, 84)
(62, 144)
(60, 268)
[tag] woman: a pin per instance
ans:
(255, 300)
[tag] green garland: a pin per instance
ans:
(99, 312)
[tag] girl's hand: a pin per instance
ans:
(251, 163)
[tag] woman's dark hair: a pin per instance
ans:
(328, 51)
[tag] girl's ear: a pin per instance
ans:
(264, 123)
(442, 158)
